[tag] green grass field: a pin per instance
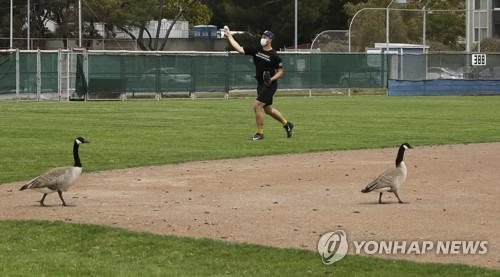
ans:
(38, 136)
(59, 249)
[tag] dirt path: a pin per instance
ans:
(289, 200)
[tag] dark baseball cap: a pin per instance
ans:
(268, 34)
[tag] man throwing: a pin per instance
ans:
(269, 69)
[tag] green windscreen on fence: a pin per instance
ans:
(222, 72)
(241, 72)
(348, 71)
(28, 75)
(49, 73)
(28, 78)
(315, 71)
(157, 73)
(210, 73)
(7, 73)
(66, 74)
(103, 74)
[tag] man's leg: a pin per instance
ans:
(279, 117)
(275, 114)
(259, 116)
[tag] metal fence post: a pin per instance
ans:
(68, 60)
(310, 74)
(86, 72)
(38, 74)
(387, 63)
(17, 75)
(192, 90)
(123, 93)
(228, 75)
(59, 69)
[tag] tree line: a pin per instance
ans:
(445, 30)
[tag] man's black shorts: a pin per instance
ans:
(265, 93)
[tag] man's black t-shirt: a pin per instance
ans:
(264, 61)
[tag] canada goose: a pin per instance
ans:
(392, 179)
(58, 179)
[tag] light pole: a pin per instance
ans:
(296, 24)
(424, 29)
(11, 23)
(387, 25)
(29, 23)
(479, 34)
(80, 23)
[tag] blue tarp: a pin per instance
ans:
(443, 87)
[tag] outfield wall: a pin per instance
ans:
(81, 74)
(68, 74)
(443, 87)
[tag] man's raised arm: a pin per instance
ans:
(233, 42)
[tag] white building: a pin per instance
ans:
(483, 21)
(180, 30)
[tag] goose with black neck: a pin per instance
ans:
(392, 179)
(58, 179)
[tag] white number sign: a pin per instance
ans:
(479, 59)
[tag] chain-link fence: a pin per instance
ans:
(448, 66)
(37, 75)
(444, 74)
(90, 75)
(46, 75)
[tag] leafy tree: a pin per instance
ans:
(127, 15)
(62, 12)
(369, 25)
(40, 15)
(278, 16)
(443, 28)
(18, 21)
(446, 27)
(65, 14)
(491, 45)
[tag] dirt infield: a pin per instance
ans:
(289, 200)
